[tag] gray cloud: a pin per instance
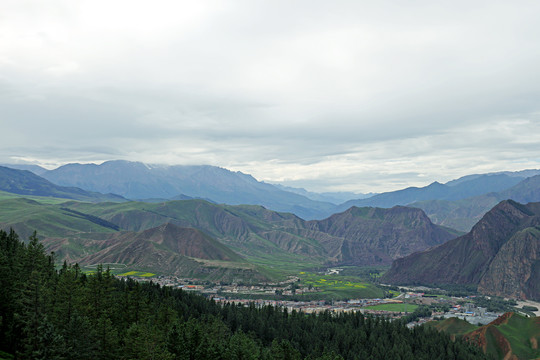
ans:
(353, 95)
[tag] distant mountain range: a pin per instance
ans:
(24, 182)
(465, 187)
(138, 181)
(463, 214)
(36, 169)
(98, 227)
(501, 255)
(459, 203)
(331, 197)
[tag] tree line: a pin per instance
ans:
(62, 313)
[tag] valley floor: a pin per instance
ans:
(399, 303)
(535, 304)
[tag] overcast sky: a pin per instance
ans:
(328, 95)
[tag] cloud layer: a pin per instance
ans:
(348, 95)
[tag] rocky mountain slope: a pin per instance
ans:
(173, 250)
(500, 254)
(376, 235)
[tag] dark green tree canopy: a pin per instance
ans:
(49, 313)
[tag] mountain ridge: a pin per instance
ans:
(446, 204)
(462, 188)
(501, 255)
(135, 180)
(263, 237)
(464, 213)
(25, 182)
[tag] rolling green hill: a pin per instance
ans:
(51, 220)
(280, 243)
(173, 250)
(355, 236)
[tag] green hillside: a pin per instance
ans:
(63, 314)
(453, 326)
(512, 336)
(173, 250)
(276, 244)
(263, 241)
(50, 220)
(42, 199)
(76, 231)
(522, 334)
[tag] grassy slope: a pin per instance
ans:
(42, 199)
(25, 216)
(239, 227)
(512, 332)
(520, 333)
(236, 227)
(453, 326)
(73, 236)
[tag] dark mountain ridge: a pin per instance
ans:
(501, 254)
(372, 235)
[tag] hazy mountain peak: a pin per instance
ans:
(135, 180)
(25, 182)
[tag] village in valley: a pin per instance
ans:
(288, 294)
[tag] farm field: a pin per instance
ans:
(119, 270)
(137, 273)
(403, 307)
(339, 287)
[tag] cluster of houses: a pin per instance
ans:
(223, 293)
